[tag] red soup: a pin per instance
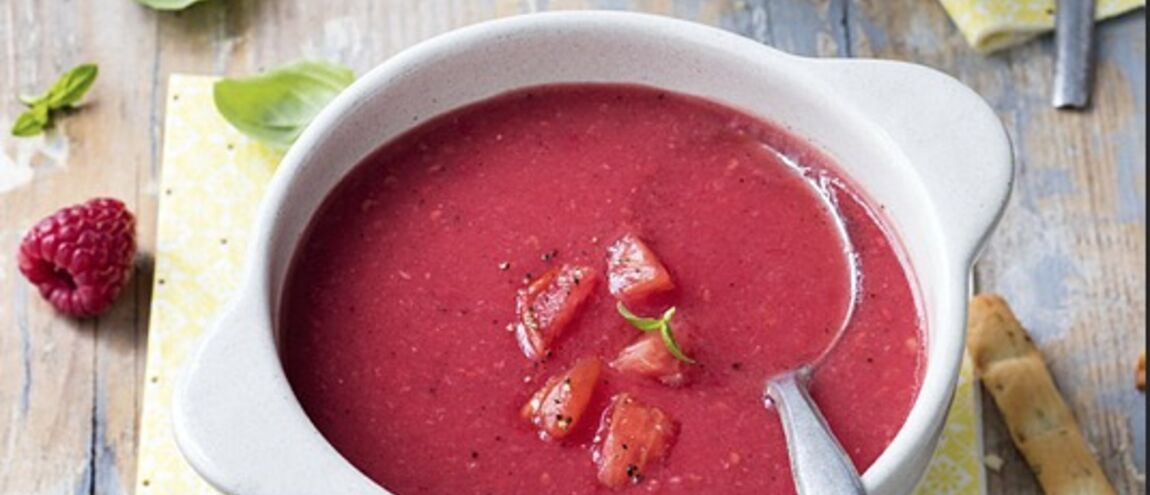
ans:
(453, 322)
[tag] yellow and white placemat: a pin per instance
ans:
(210, 187)
(990, 25)
(212, 181)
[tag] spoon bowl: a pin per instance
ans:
(819, 464)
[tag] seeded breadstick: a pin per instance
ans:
(1040, 423)
(1140, 372)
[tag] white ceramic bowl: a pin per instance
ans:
(921, 145)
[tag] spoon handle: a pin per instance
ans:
(819, 464)
(1074, 25)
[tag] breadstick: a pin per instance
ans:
(1040, 423)
(1140, 372)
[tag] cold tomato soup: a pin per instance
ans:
(582, 289)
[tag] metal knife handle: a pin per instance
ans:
(819, 464)
(1074, 26)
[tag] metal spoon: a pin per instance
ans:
(819, 464)
(1073, 33)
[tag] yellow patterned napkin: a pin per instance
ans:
(990, 25)
(212, 181)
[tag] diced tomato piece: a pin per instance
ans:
(633, 438)
(556, 408)
(548, 305)
(633, 271)
(648, 356)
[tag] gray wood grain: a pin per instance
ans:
(1070, 254)
(68, 389)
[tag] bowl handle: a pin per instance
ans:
(956, 143)
(238, 423)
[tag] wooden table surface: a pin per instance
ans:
(1070, 253)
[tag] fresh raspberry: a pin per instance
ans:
(81, 256)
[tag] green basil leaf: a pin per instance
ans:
(276, 106)
(31, 101)
(644, 324)
(169, 4)
(71, 87)
(31, 122)
(66, 92)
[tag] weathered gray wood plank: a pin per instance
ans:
(69, 388)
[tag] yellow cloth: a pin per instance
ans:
(990, 25)
(212, 181)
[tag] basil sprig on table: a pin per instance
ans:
(168, 4)
(64, 94)
(276, 106)
(662, 324)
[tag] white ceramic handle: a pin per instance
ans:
(958, 152)
(227, 407)
(957, 145)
